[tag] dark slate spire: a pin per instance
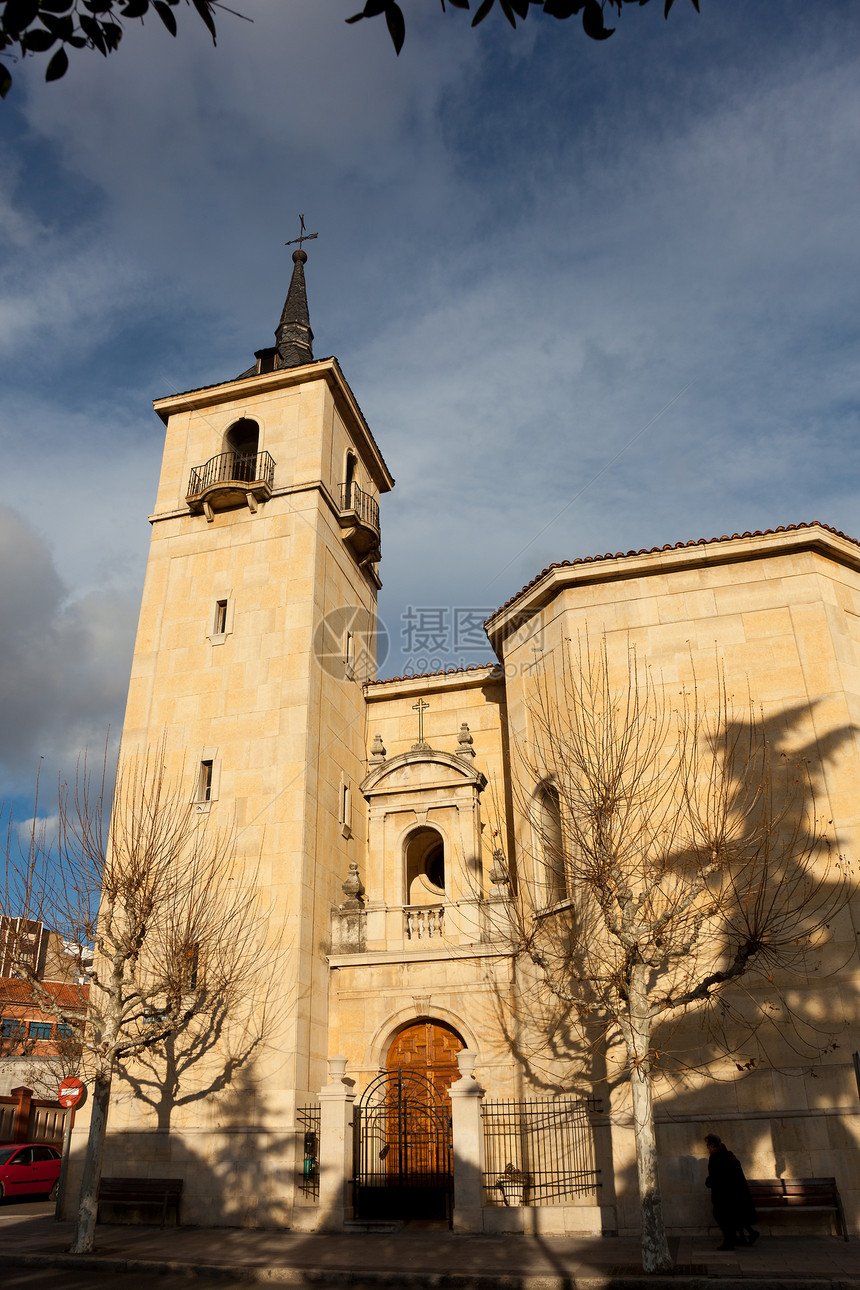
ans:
(293, 335)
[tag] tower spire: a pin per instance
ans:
(293, 334)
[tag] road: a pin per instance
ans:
(63, 1279)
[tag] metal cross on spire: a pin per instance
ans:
(303, 236)
(420, 707)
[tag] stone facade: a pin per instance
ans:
(386, 849)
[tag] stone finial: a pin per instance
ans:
(377, 750)
(499, 872)
(465, 742)
(466, 1059)
(336, 1069)
(353, 888)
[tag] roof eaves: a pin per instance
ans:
(657, 550)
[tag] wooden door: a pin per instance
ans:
(430, 1047)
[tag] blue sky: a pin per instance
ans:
(531, 248)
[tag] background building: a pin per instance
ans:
(35, 1049)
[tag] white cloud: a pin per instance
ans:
(63, 666)
(528, 246)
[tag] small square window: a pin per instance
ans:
(220, 624)
(64, 1031)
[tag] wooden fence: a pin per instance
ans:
(24, 1118)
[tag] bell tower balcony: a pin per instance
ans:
(359, 521)
(230, 479)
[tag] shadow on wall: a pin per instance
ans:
(766, 1065)
(200, 1088)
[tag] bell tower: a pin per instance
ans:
(256, 634)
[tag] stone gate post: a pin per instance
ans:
(21, 1130)
(335, 1148)
(468, 1135)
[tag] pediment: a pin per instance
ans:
(421, 769)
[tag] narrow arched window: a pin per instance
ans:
(551, 844)
(349, 480)
(243, 441)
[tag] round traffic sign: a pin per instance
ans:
(71, 1092)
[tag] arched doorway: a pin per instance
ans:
(430, 1047)
(402, 1122)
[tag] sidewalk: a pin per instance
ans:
(429, 1259)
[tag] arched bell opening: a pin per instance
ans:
(238, 475)
(243, 441)
(349, 470)
(425, 867)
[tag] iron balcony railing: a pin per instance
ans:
(232, 468)
(352, 498)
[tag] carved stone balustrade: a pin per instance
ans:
(423, 922)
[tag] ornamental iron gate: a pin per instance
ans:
(403, 1158)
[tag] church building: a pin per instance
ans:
(383, 821)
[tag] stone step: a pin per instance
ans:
(379, 1226)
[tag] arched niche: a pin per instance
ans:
(424, 866)
(416, 800)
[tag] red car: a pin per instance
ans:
(28, 1168)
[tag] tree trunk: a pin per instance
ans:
(655, 1247)
(85, 1225)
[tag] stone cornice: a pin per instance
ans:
(373, 782)
(815, 537)
(444, 954)
(456, 678)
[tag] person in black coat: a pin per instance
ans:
(730, 1195)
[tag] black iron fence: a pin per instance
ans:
(403, 1150)
(352, 498)
(232, 467)
(308, 1121)
(539, 1151)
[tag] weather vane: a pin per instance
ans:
(303, 236)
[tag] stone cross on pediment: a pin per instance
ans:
(420, 707)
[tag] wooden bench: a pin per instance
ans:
(808, 1195)
(133, 1192)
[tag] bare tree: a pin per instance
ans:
(667, 851)
(139, 879)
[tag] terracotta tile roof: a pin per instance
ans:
(669, 546)
(17, 993)
(423, 676)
